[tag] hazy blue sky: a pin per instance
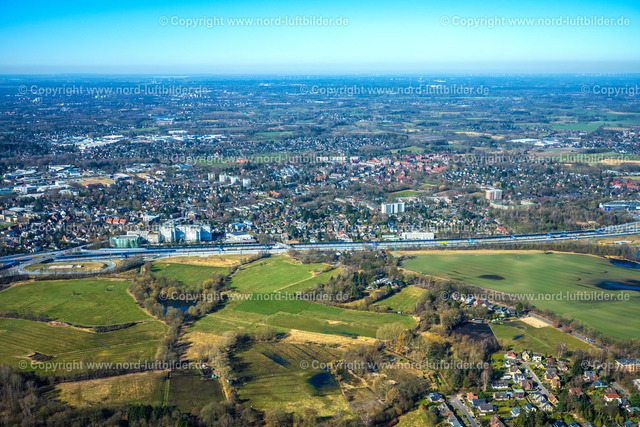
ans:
(126, 36)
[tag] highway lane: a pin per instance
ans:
(249, 248)
(338, 246)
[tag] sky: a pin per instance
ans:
(365, 37)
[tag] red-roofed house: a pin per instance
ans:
(611, 397)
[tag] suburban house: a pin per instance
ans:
(546, 406)
(500, 385)
(501, 395)
(519, 378)
(575, 391)
(495, 421)
(590, 376)
(612, 397)
(526, 384)
(435, 397)
(444, 409)
(550, 374)
(485, 408)
(538, 397)
(599, 384)
(454, 421)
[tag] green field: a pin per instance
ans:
(188, 274)
(405, 193)
(297, 314)
(519, 336)
(144, 388)
(412, 149)
(280, 375)
(271, 134)
(21, 338)
(413, 418)
(188, 390)
(85, 302)
(582, 126)
(550, 281)
(404, 301)
(184, 389)
(266, 288)
(280, 274)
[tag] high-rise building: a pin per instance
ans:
(493, 194)
(392, 208)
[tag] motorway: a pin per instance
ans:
(16, 263)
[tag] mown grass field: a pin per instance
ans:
(282, 375)
(85, 302)
(405, 193)
(22, 338)
(280, 274)
(550, 281)
(188, 274)
(404, 301)
(297, 314)
(145, 388)
(519, 336)
(265, 289)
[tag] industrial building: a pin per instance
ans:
(417, 235)
(125, 241)
(169, 232)
(172, 232)
(621, 205)
(238, 237)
